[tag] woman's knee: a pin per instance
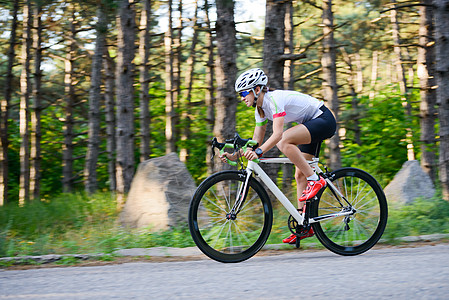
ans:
(284, 144)
(299, 175)
(281, 145)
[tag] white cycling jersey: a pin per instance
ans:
(293, 106)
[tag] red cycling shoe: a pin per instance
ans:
(313, 187)
(292, 238)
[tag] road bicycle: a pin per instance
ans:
(230, 214)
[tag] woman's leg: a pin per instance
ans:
(301, 180)
(297, 135)
(301, 184)
(292, 137)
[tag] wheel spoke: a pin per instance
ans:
(243, 234)
(213, 203)
(220, 232)
(364, 227)
(248, 202)
(366, 203)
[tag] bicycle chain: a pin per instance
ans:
(296, 229)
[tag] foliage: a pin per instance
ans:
(361, 29)
(382, 126)
(421, 217)
(76, 223)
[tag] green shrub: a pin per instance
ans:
(77, 223)
(420, 218)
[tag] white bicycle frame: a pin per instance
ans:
(254, 168)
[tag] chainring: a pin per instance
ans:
(295, 228)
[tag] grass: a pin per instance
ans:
(76, 223)
(420, 218)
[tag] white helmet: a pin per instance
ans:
(250, 79)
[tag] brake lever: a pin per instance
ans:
(216, 144)
(214, 141)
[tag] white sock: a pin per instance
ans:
(314, 177)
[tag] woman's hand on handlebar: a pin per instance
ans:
(225, 156)
(250, 154)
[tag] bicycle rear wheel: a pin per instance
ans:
(358, 232)
(223, 235)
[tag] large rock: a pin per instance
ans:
(160, 194)
(410, 182)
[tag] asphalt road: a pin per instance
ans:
(389, 273)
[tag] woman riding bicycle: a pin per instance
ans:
(299, 143)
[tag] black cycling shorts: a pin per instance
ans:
(320, 128)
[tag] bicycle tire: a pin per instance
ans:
(365, 227)
(223, 239)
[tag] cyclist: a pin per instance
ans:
(299, 143)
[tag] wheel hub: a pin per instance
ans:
(231, 216)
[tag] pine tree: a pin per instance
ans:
(125, 98)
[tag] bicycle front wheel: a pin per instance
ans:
(222, 233)
(357, 232)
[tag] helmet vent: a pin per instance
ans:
(250, 79)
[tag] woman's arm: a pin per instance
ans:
(259, 132)
(278, 130)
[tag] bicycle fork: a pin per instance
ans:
(240, 198)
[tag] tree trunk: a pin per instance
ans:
(289, 82)
(209, 98)
(273, 48)
(358, 78)
(353, 117)
(177, 60)
(170, 111)
(110, 118)
(25, 87)
(36, 133)
(95, 97)
(330, 87)
(289, 44)
(70, 100)
(4, 109)
(374, 74)
(125, 99)
(273, 45)
(426, 74)
(144, 99)
(226, 103)
(185, 117)
(442, 76)
(400, 73)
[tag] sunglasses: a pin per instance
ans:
(244, 94)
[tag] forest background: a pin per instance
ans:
(91, 88)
